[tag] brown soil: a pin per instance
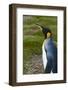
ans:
(36, 65)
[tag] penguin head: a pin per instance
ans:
(46, 31)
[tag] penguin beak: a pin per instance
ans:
(41, 27)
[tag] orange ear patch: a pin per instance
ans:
(48, 34)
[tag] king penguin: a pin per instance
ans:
(49, 51)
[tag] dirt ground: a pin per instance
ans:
(36, 65)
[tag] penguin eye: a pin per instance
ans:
(48, 34)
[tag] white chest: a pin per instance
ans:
(44, 58)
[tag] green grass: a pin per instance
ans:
(33, 36)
